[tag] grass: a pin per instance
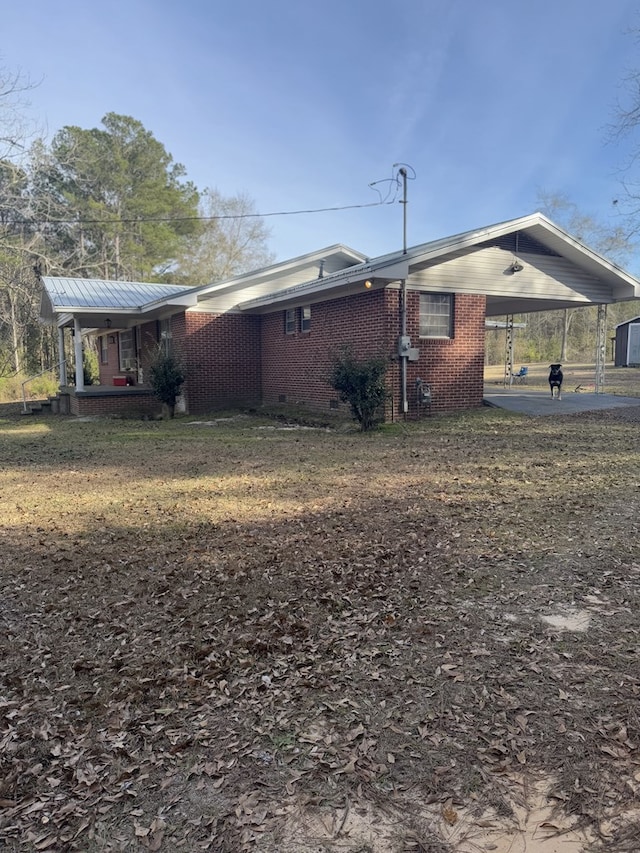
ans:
(229, 636)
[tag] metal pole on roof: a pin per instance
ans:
(404, 355)
(403, 172)
(404, 343)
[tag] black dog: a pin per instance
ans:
(555, 379)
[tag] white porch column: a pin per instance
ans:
(62, 364)
(77, 348)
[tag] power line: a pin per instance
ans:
(140, 220)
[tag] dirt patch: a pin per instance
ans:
(570, 620)
(534, 826)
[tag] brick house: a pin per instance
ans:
(267, 336)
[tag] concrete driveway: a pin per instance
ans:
(519, 399)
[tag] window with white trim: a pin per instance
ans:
(436, 315)
(290, 321)
(305, 318)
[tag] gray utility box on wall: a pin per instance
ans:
(405, 350)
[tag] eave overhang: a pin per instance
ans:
(122, 318)
(344, 283)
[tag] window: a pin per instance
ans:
(436, 315)
(165, 336)
(127, 349)
(305, 318)
(290, 321)
(104, 349)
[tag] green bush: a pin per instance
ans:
(90, 367)
(167, 378)
(37, 389)
(361, 383)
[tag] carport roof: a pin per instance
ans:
(555, 270)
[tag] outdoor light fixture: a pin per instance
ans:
(368, 284)
(107, 323)
(516, 266)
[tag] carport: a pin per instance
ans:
(527, 265)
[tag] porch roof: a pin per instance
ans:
(93, 301)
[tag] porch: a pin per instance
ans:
(97, 400)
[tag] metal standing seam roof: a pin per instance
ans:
(101, 293)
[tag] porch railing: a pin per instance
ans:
(52, 369)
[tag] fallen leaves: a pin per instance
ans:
(368, 620)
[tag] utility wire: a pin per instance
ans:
(389, 197)
(141, 220)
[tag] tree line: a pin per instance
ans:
(106, 202)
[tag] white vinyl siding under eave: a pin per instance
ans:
(228, 298)
(224, 302)
(542, 277)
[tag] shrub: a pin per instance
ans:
(361, 383)
(36, 389)
(167, 378)
(90, 367)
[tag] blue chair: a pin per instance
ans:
(521, 376)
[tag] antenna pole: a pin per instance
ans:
(403, 172)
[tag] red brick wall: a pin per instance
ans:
(127, 402)
(454, 368)
(234, 359)
(221, 354)
(295, 366)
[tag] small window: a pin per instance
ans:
(436, 315)
(290, 321)
(305, 318)
(165, 336)
(104, 349)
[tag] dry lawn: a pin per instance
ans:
(235, 635)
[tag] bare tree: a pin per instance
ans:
(613, 242)
(233, 240)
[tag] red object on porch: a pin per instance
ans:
(119, 380)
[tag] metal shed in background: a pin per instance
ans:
(627, 351)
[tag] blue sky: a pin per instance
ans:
(302, 105)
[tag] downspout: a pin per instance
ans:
(77, 348)
(403, 355)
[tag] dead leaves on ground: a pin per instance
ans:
(174, 684)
